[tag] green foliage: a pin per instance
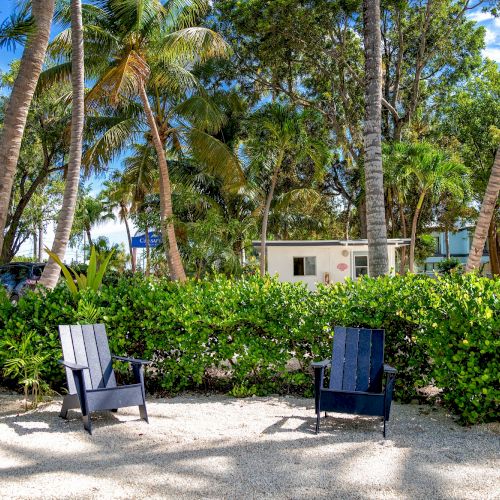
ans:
(258, 336)
(92, 280)
(449, 265)
(22, 362)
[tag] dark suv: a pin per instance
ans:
(18, 277)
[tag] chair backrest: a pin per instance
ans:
(357, 360)
(88, 345)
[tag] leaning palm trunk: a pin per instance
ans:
(265, 217)
(19, 103)
(166, 209)
(129, 239)
(485, 216)
(374, 180)
(52, 270)
(414, 224)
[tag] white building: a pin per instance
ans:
(325, 261)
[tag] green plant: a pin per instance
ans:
(95, 272)
(23, 363)
(449, 265)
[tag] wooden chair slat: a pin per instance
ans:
(363, 369)
(92, 356)
(80, 352)
(351, 359)
(108, 375)
(68, 354)
(376, 361)
(338, 354)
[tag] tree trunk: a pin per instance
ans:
(89, 238)
(447, 242)
(129, 239)
(402, 269)
(147, 271)
(362, 219)
(265, 215)
(378, 260)
(492, 247)
(485, 216)
(40, 243)
(52, 271)
(19, 103)
(35, 244)
(166, 209)
(414, 231)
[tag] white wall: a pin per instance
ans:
(331, 259)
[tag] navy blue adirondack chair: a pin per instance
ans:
(91, 379)
(357, 376)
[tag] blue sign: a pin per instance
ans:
(140, 241)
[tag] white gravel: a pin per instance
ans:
(221, 447)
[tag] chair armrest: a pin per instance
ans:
(390, 369)
(72, 366)
(321, 364)
(132, 360)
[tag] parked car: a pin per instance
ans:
(18, 277)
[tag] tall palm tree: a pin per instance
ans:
(155, 45)
(119, 195)
(372, 137)
(427, 172)
(52, 271)
(20, 100)
(485, 216)
(279, 132)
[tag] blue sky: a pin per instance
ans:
(115, 231)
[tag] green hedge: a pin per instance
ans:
(258, 336)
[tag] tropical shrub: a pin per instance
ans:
(258, 336)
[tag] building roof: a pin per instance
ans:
(398, 242)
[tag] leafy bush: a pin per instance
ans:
(449, 265)
(258, 336)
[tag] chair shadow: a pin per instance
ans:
(34, 422)
(329, 425)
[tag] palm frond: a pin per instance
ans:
(201, 112)
(16, 28)
(216, 157)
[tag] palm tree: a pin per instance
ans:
(119, 195)
(19, 103)
(372, 136)
(428, 172)
(485, 216)
(279, 132)
(155, 45)
(51, 272)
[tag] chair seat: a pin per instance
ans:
(115, 397)
(359, 403)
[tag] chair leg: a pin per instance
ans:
(384, 427)
(64, 409)
(87, 423)
(114, 410)
(318, 420)
(143, 413)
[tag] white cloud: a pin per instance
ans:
(480, 17)
(492, 53)
(490, 36)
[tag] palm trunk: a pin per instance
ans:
(492, 248)
(378, 260)
(89, 238)
(51, 272)
(485, 216)
(19, 103)
(40, 243)
(147, 271)
(129, 239)
(166, 209)
(447, 243)
(404, 231)
(265, 215)
(414, 230)
(35, 244)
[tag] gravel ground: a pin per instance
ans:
(221, 447)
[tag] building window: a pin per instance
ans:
(360, 265)
(304, 266)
